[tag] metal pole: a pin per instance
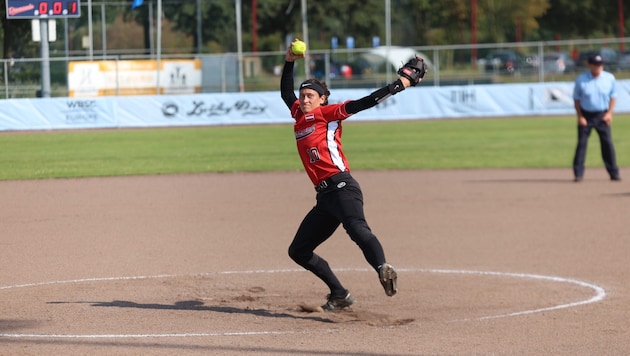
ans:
(6, 79)
(90, 30)
(66, 46)
(388, 38)
(239, 43)
(151, 31)
(44, 49)
(307, 68)
(103, 30)
(159, 44)
(199, 28)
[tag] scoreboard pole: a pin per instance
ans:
(43, 10)
(45, 54)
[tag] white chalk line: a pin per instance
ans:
(599, 295)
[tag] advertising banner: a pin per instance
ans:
(474, 101)
(133, 77)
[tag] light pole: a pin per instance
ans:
(239, 44)
(305, 39)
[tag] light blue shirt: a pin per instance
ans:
(594, 94)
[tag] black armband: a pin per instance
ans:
(396, 87)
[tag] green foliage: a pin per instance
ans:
(413, 23)
(537, 142)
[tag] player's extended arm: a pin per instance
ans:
(411, 74)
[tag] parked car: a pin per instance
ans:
(318, 68)
(508, 62)
(624, 61)
(611, 58)
(558, 63)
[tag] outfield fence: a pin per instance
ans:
(524, 62)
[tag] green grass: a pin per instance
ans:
(535, 142)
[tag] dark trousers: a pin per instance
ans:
(340, 203)
(594, 121)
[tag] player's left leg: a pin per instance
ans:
(608, 149)
(346, 203)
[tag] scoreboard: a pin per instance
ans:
(37, 9)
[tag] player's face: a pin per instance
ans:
(310, 100)
(596, 69)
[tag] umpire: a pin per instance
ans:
(595, 95)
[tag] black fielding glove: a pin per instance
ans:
(414, 70)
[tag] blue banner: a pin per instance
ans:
(492, 100)
(136, 3)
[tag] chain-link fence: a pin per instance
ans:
(343, 68)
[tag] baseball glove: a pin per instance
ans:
(414, 70)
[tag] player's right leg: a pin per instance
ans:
(580, 151)
(316, 228)
(347, 205)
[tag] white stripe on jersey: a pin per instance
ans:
(335, 155)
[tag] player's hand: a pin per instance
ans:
(289, 56)
(582, 121)
(607, 118)
(405, 81)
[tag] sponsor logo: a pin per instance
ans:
(204, 109)
(20, 9)
(242, 106)
(170, 109)
(341, 185)
(81, 104)
(81, 112)
(305, 132)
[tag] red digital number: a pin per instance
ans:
(57, 7)
(73, 7)
(43, 8)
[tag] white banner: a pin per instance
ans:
(267, 107)
(133, 77)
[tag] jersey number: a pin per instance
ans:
(313, 153)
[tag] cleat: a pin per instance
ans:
(387, 275)
(334, 304)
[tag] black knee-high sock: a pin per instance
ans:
(321, 269)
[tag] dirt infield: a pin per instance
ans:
(521, 262)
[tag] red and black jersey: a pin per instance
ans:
(318, 133)
(318, 139)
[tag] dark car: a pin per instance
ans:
(624, 61)
(336, 69)
(508, 62)
(611, 58)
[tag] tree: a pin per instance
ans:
(582, 19)
(16, 36)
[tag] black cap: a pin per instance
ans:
(596, 59)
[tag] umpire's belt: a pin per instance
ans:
(592, 113)
(331, 181)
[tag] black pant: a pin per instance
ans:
(340, 203)
(594, 121)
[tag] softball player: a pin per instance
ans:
(339, 198)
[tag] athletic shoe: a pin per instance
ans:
(387, 275)
(615, 178)
(334, 304)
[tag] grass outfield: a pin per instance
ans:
(534, 142)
